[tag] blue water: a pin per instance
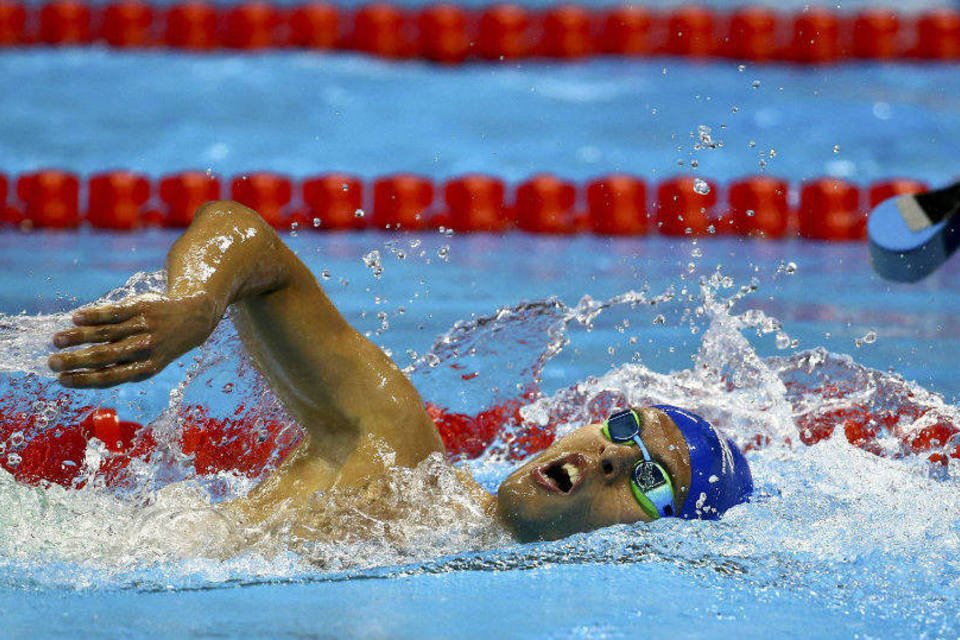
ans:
(699, 580)
(302, 113)
(839, 543)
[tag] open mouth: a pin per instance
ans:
(562, 475)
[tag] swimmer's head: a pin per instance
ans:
(583, 481)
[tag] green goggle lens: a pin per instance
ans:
(649, 482)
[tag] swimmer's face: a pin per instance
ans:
(582, 482)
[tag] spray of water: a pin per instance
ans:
(818, 509)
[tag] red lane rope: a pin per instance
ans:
(449, 34)
(250, 445)
(755, 206)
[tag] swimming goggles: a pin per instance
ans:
(649, 482)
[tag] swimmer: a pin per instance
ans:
(352, 400)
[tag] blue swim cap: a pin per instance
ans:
(720, 475)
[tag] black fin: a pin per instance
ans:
(940, 204)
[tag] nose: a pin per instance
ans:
(616, 461)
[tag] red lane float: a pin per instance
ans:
(6, 216)
(116, 200)
(64, 23)
(566, 33)
(251, 25)
(383, 30)
(752, 35)
(402, 201)
(545, 204)
(617, 206)
(443, 34)
(938, 35)
(475, 203)
(250, 444)
(315, 25)
(626, 31)
(685, 206)
(13, 21)
(191, 25)
(691, 31)
(334, 201)
(816, 37)
(830, 210)
(889, 188)
(51, 199)
(758, 207)
(183, 193)
(450, 34)
(267, 193)
(504, 33)
(876, 35)
(127, 24)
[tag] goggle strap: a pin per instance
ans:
(643, 448)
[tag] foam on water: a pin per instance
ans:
(876, 532)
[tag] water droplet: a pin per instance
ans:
(228, 388)
(691, 267)
(782, 340)
(316, 222)
(14, 460)
(16, 439)
(751, 213)
(444, 252)
(659, 319)
(359, 213)
(755, 84)
(741, 68)
(325, 274)
(700, 186)
(836, 148)
(790, 268)
(432, 360)
(697, 252)
(372, 260)
(870, 337)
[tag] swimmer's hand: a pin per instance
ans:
(132, 340)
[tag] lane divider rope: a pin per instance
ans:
(450, 34)
(755, 206)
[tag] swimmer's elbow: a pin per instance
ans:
(228, 211)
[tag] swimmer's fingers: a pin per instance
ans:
(99, 333)
(108, 313)
(133, 349)
(109, 377)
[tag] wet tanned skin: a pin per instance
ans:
(534, 510)
(341, 388)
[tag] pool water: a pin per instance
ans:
(828, 541)
(838, 542)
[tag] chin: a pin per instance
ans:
(525, 512)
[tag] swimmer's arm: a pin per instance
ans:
(335, 382)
